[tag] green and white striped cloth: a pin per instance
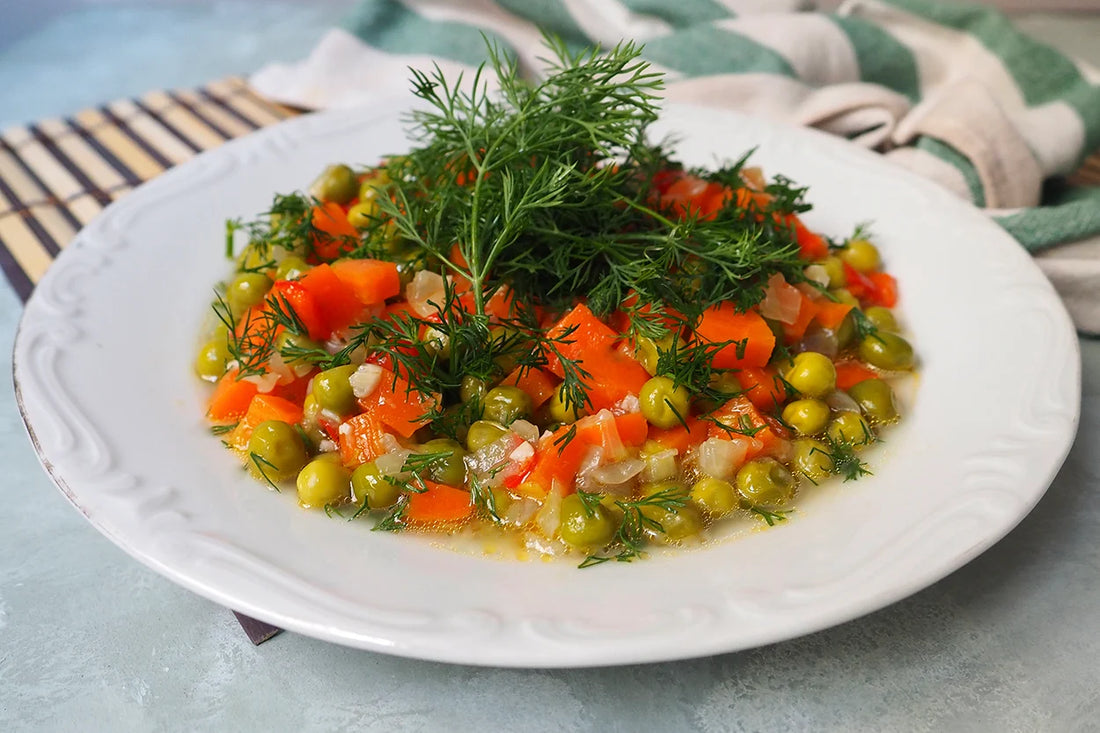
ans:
(951, 91)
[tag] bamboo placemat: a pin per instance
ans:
(57, 174)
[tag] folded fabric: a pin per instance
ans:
(951, 91)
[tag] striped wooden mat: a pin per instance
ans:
(57, 174)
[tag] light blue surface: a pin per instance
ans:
(92, 640)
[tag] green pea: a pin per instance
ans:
(677, 523)
(881, 318)
(807, 416)
(861, 255)
(715, 496)
(373, 185)
(449, 469)
(812, 459)
(647, 351)
(812, 374)
(472, 388)
(850, 428)
(664, 404)
(332, 389)
(276, 451)
(291, 268)
(765, 482)
(255, 257)
(843, 295)
(483, 433)
(506, 404)
(834, 268)
(876, 400)
(246, 290)
(501, 501)
(363, 214)
(369, 484)
(336, 183)
(212, 357)
(886, 351)
(311, 423)
(583, 527)
(323, 481)
(560, 412)
(286, 343)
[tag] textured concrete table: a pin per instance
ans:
(91, 640)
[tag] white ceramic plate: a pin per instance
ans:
(103, 368)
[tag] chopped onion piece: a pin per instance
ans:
(392, 463)
(365, 380)
(720, 458)
(527, 431)
(264, 382)
(781, 301)
(616, 474)
(426, 288)
(818, 274)
(520, 511)
(609, 431)
(660, 466)
(753, 177)
(627, 405)
(840, 402)
(549, 516)
(592, 460)
(494, 463)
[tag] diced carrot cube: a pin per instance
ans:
(753, 341)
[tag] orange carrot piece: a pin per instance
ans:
(372, 281)
(633, 428)
(762, 386)
(292, 293)
(813, 246)
(336, 303)
(591, 344)
(395, 404)
(830, 314)
(851, 373)
(231, 398)
(679, 438)
(440, 503)
(886, 289)
(334, 236)
(792, 332)
(755, 341)
(739, 413)
(538, 384)
(361, 440)
(557, 462)
(263, 407)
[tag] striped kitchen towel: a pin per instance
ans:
(951, 91)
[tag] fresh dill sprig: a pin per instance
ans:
(636, 523)
(262, 464)
(844, 459)
(769, 516)
(393, 521)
